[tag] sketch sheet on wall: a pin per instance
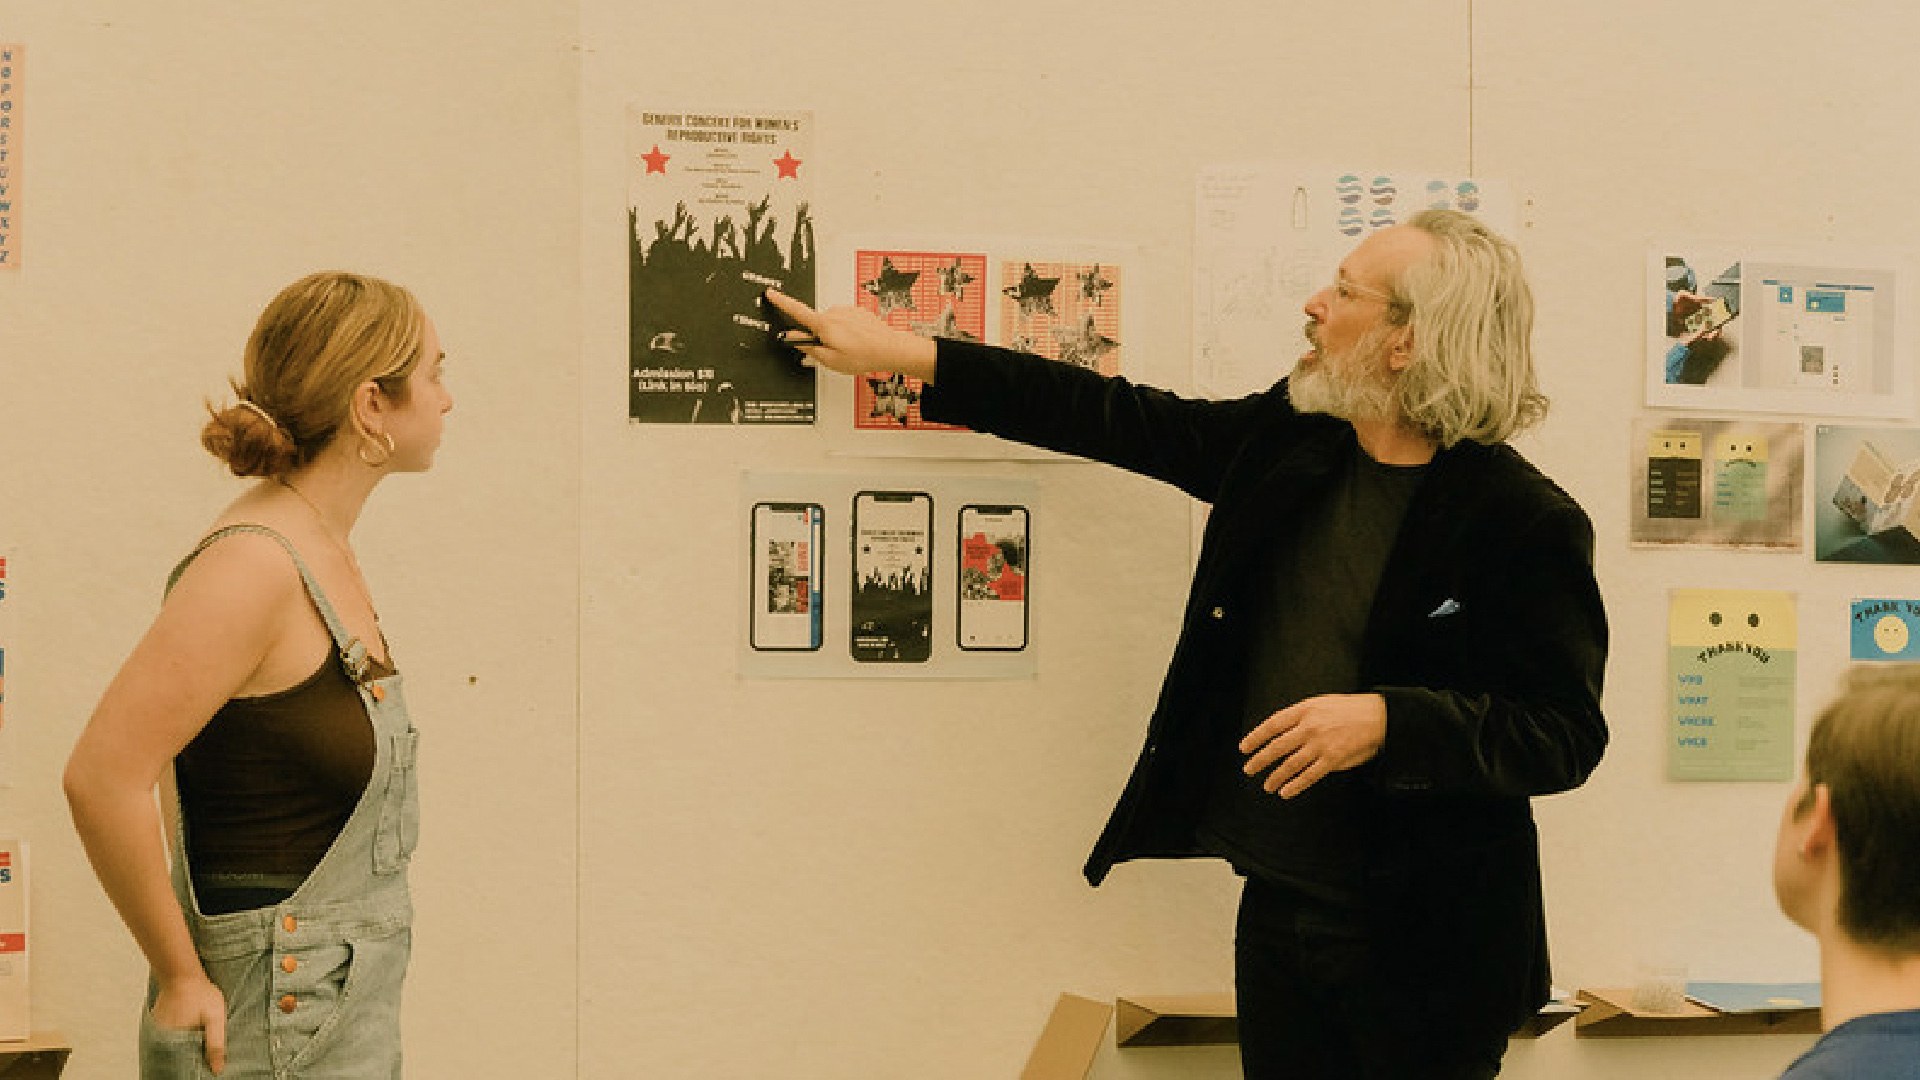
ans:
(1267, 236)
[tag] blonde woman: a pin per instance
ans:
(265, 694)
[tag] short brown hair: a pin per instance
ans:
(1866, 749)
(318, 339)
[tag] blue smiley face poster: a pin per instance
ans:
(1884, 629)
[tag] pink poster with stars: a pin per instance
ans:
(936, 294)
(718, 210)
(1065, 311)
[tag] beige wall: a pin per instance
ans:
(638, 863)
(185, 161)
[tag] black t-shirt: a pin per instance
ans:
(1308, 620)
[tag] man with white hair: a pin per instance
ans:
(1393, 639)
(1847, 869)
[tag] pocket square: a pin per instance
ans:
(1447, 607)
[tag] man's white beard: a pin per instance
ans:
(1344, 384)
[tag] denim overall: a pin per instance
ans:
(312, 983)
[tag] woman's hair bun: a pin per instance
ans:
(248, 440)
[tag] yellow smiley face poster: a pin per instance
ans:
(1731, 659)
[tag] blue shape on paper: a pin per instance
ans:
(1755, 997)
(1827, 301)
(1885, 629)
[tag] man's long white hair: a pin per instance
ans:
(1471, 313)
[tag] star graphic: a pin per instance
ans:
(891, 397)
(954, 281)
(946, 326)
(893, 288)
(1034, 293)
(1085, 347)
(788, 165)
(656, 161)
(1092, 285)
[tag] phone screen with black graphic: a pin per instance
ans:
(788, 557)
(995, 566)
(891, 613)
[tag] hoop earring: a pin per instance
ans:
(386, 451)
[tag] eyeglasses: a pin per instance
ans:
(1347, 289)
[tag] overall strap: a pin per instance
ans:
(350, 647)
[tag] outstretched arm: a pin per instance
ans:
(852, 340)
(1181, 441)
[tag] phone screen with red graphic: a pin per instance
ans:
(996, 563)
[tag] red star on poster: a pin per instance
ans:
(788, 165)
(656, 161)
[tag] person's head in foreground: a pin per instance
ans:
(1847, 868)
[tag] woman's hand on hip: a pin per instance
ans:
(195, 1005)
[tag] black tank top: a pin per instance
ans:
(269, 782)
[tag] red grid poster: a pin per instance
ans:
(933, 294)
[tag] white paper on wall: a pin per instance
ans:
(1267, 237)
(1742, 328)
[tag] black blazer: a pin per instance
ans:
(1487, 638)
